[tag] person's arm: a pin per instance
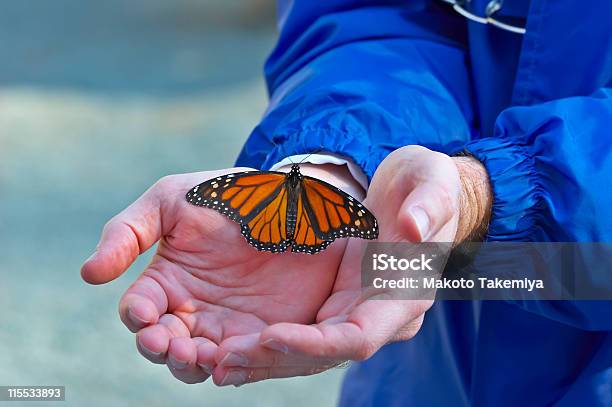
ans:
(361, 79)
(550, 168)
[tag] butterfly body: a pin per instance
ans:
(293, 181)
(279, 210)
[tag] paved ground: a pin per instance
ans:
(97, 101)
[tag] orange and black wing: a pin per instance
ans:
(255, 199)
(304, 238)
(333, 213)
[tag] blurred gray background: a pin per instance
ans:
(97, 101)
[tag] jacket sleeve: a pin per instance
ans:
(550, 167)
(360, 79)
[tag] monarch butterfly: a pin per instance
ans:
(278, 210)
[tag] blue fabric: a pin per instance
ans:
(362, 78)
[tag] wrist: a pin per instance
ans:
(337, 175)
(476, 199)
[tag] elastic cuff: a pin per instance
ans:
(513, 179)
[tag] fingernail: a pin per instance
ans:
(149, 352)
(422, 221)
(206, 368)
(135, 318)
(276, 345)
(234, 359)
(235, 377)
(177, 364)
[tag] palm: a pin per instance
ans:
(204, 283)
(220, 286)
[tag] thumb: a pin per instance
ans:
(427, 209)
(124, 237)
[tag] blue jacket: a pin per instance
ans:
(361, 78)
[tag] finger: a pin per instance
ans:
(182, 360)
(368, 327)
(153, 341)
(247, 351)
(427, 209)
(143, 303)
(124, 237)
(224, 376)
(341, 341)
(383, 319)
(206, 350)
(409, 330)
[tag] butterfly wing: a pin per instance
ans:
(267, 229)
(333, 213)
(259, 201)
(304, 238)
(255, 199)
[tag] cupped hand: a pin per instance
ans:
(204, 283)
(417, 195)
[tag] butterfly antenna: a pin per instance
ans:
(314, 152)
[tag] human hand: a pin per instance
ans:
(417, 195)
(205, 283)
